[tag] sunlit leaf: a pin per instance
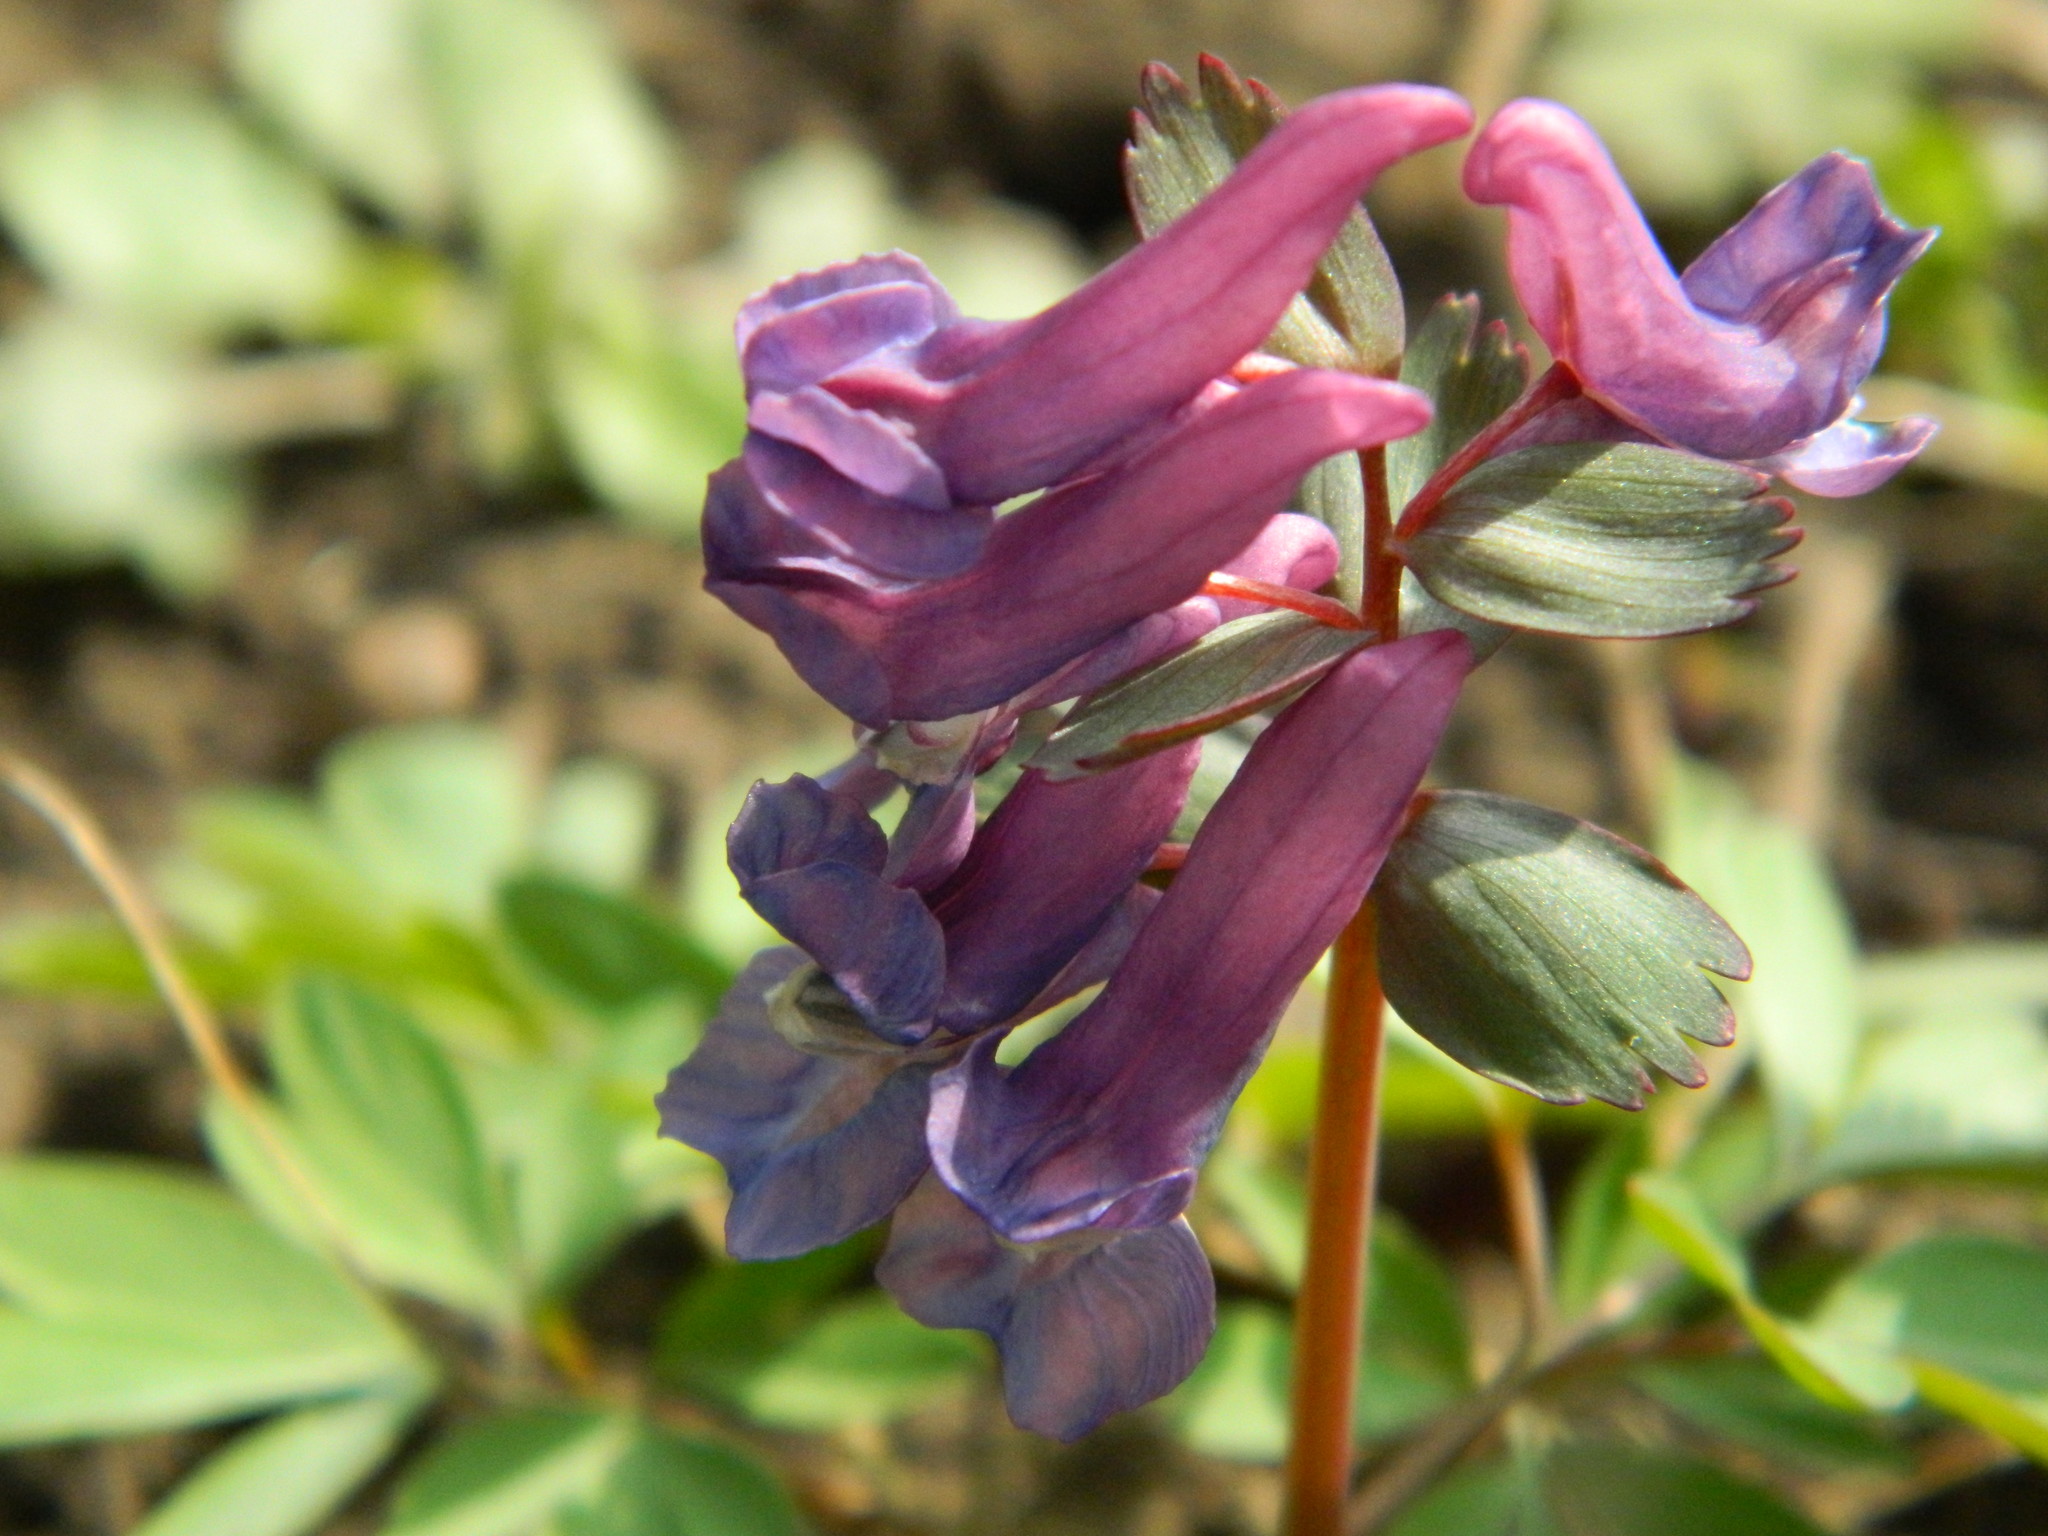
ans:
(1235, 1404)
(1969, 1316)
(1229, 673)
(134, 1299)
(1800, 1008)
(1836, 1364)
(285, 1477)
(1547, 954)
(1186, 144)
(511, 1473)
(344, 78)
(861, 1362)
(1616, 539)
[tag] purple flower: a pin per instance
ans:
(810, 1084)
(1071, 1170)
(1757, 352)
(858, 525)
(1050, 581)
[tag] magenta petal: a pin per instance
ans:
(1104, 1124)
(1045, 872)
(1852, 457)
(785, 505)
(1032, 402)
(815, 1147)
(1068, 571)
(1085, 1331)
(1764, 342)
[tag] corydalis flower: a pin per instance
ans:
(1058, 1231)
(1756, 353)
(858, 528)
(810, 1084)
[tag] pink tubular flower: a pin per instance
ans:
(1756, 353)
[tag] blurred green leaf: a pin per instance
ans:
(1747, 1400)
(286, 1476)
(1598, 1241)
(1605, 1488)
(670, 1485)
(1801, 1008)
(1969, 1315)
(598, 822)
(553, 142)
(861, 1362)
(1417, 1355)
(1702, 99)
(434, 814)
(604, 950)
(1237, 670)
(1616, 539)
(510, 1474)
(344, 78)
(1839, 1366)
(1493, 1498)
(732, 1318)
(94, 957)
(1992, 975)
(1185, 143)
(1545, 953)
(156, 204)
(101, 455)
(137, 1299)
(1234, 1405)
(1470, 374)
(376, 1112)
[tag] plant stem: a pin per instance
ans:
(1382, 605)
(88, 842)
(1329, 1313)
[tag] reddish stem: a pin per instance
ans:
(1382, 599)
(1557, 385)
(1329, 1313)
(1324, 610)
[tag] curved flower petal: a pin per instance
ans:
(1044, 873)
(814, 347)
(1102, 1127)
(1765, 341)
(1008, 408)
(1060, 575)
(1085, 1330)
(810, 862)
(1852, 457)
(801, 509)
(816, 1147)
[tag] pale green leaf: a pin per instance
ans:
(862, 1362)
(604, 950)
(598, 823)
(1608, 1488)
(672, 1485)
(512, 1473)
(1470, 373)
(1614, 539)
(1547, 954)
(285, 1477)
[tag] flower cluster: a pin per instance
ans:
(857, 1073)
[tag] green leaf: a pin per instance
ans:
(1234, 1405)
(344, 78)
(1959, 1088)
(1470, 374)
(1185, 144)
(1800, 1009)
(1610, 1489)
(94, 957)
(101, 455)
(598, 823)
(1497, 1498)
(672, 1485)
(1969, 1316)
(155, 204)
(1231, 672)
(1597, 1240)
(1837, 1365)
(604, 950)
(1905, 988)
(731, 1319)
(285, 1477)
(136, 1299)
(511, 1473)
(1617, 539)
(553, 141)
(1743, 1399)
(435, 815)
(376, 1111)
(1417, 1355)
(861, 1362)
(1547, 954)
